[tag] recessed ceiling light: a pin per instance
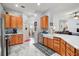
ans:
(38, 4)
(16, 5)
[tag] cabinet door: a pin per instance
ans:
(20, 40)
(13, 22)
(50, 43)
(41, 23)
(45, 41)
(57, 45)
(16, 39)
(12, 40)
(46, 22)
(7, 21)
(19, 22)
(70, 50)
(77, 52)
(62, 47)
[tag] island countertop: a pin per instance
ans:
(71, 39)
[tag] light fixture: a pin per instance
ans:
(16, 5)
(35, 15)
(76, 17)
(38, 4)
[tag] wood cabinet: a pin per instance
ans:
(45, 41)
(20, 38)
(44, 22)
(13, 22)
(56, 44)
(50, 43)
(77, 52)
(62, 47)
(7, 21)
(12, 40)
(19, 22)
(70, 51)
(16, 39)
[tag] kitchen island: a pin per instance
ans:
(66, 45)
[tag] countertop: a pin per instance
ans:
(13, 34)
(71, 39)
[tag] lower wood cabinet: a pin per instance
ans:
(62, 47)
(77, 52)
(16, 39)
(56, 44)
(50, 43)
(45, 41)
(70, 51)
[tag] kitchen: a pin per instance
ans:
(50, 29)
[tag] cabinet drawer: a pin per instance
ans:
(62, 41)
(77, 52)
(57, 42)
(70, 52)
(70, 47)
(67, 54)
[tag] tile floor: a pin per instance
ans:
(26, 49)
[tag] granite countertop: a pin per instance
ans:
(13, 34)
(71, 39)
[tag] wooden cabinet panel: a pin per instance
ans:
(16, 39)
(20, 38)
(19, 22)
(70, 50)
(50, 43)
(12, 40)
(77, 52)
(7, 21)
(13, 22)
(62, 47)
(44, 22)
(45, 41)
(57, 45)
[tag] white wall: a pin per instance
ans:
(73, 24)
(25, 25)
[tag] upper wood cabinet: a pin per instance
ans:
(19, 22)
(44, 22)
(7, 21)
(13, 22)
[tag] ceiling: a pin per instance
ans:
(53, 8)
